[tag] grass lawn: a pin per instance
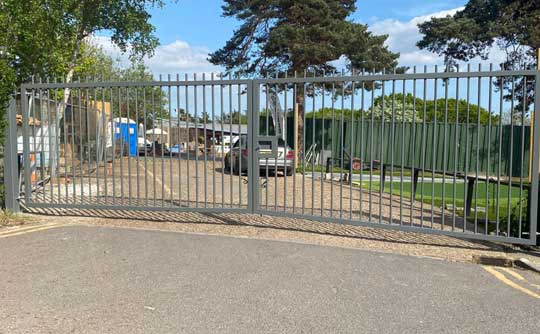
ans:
(430, 192)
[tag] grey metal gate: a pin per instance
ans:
(451, 153)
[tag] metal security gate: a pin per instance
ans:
(452, 153)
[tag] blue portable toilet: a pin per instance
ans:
(125, 129)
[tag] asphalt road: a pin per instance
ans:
(79, 279)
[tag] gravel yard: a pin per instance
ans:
(175, 182)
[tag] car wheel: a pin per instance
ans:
(227, 165)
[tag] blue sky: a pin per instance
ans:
(188, 30)
(200, 22)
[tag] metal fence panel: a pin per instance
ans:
(445, 152)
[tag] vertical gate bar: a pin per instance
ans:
(285, 134)
(267, 133)
(231, 183)
(522, 155)
(456, 146)
(535, 165)
(145, 128)
(488, 165)
(73, 148)
(333, 136)
(381, 162)
(313, 125)
(352, 152)
(222, 142)
(477, 151)
(392, 151)
(128, 134)
(286, 152)
(96, 133)
(295, 140)
(122, 144)
(239, 93)
(169, 134)
(304, 145)
(499, 165)
(402, 156)
(113, 146)
(188, 161)
(434, 149)
(371, 153)
(342, 148)
(53, 162)
(104, 145)
(276, 134)
(362, 157)
(444, 160)
(137, 153)
(213, 145)
(196, 143)
(253, 90)
(33, 113)
(57, 137)
(11, 168)
(466, 167)
(424, 149)
(205, 153)
(161, 161)
(178, 114)
(413, 159)
(41, 143)
(510, 172)
(34, 118)
(26, 145)
(323, 148)
(154, 176)
(87, 132)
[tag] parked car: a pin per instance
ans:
(159, 149)
(176, 150)
(144, 146)
(236, 160)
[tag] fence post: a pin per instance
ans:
(11, 166)
(536, 160)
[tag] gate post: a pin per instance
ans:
(535, 161)
(11, 165)
(253, 156)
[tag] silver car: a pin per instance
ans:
(236, 160)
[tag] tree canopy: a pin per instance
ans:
(286, 36)
(43, 38)
(511, 25)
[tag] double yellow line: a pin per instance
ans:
(499, 274)
(27, 229)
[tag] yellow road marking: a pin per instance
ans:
(29, 230)
(23, 228)
(513, 273)
(500, 276)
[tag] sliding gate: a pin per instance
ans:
(452, 153)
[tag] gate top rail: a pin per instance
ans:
(290, 80)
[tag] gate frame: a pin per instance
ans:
(253, 87)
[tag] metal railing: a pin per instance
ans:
(451, 153)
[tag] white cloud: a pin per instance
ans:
(403, 36)
(172, 58)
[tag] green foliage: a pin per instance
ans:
(286, 36)
(411, 109)
(512, 25)
(433, 110)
